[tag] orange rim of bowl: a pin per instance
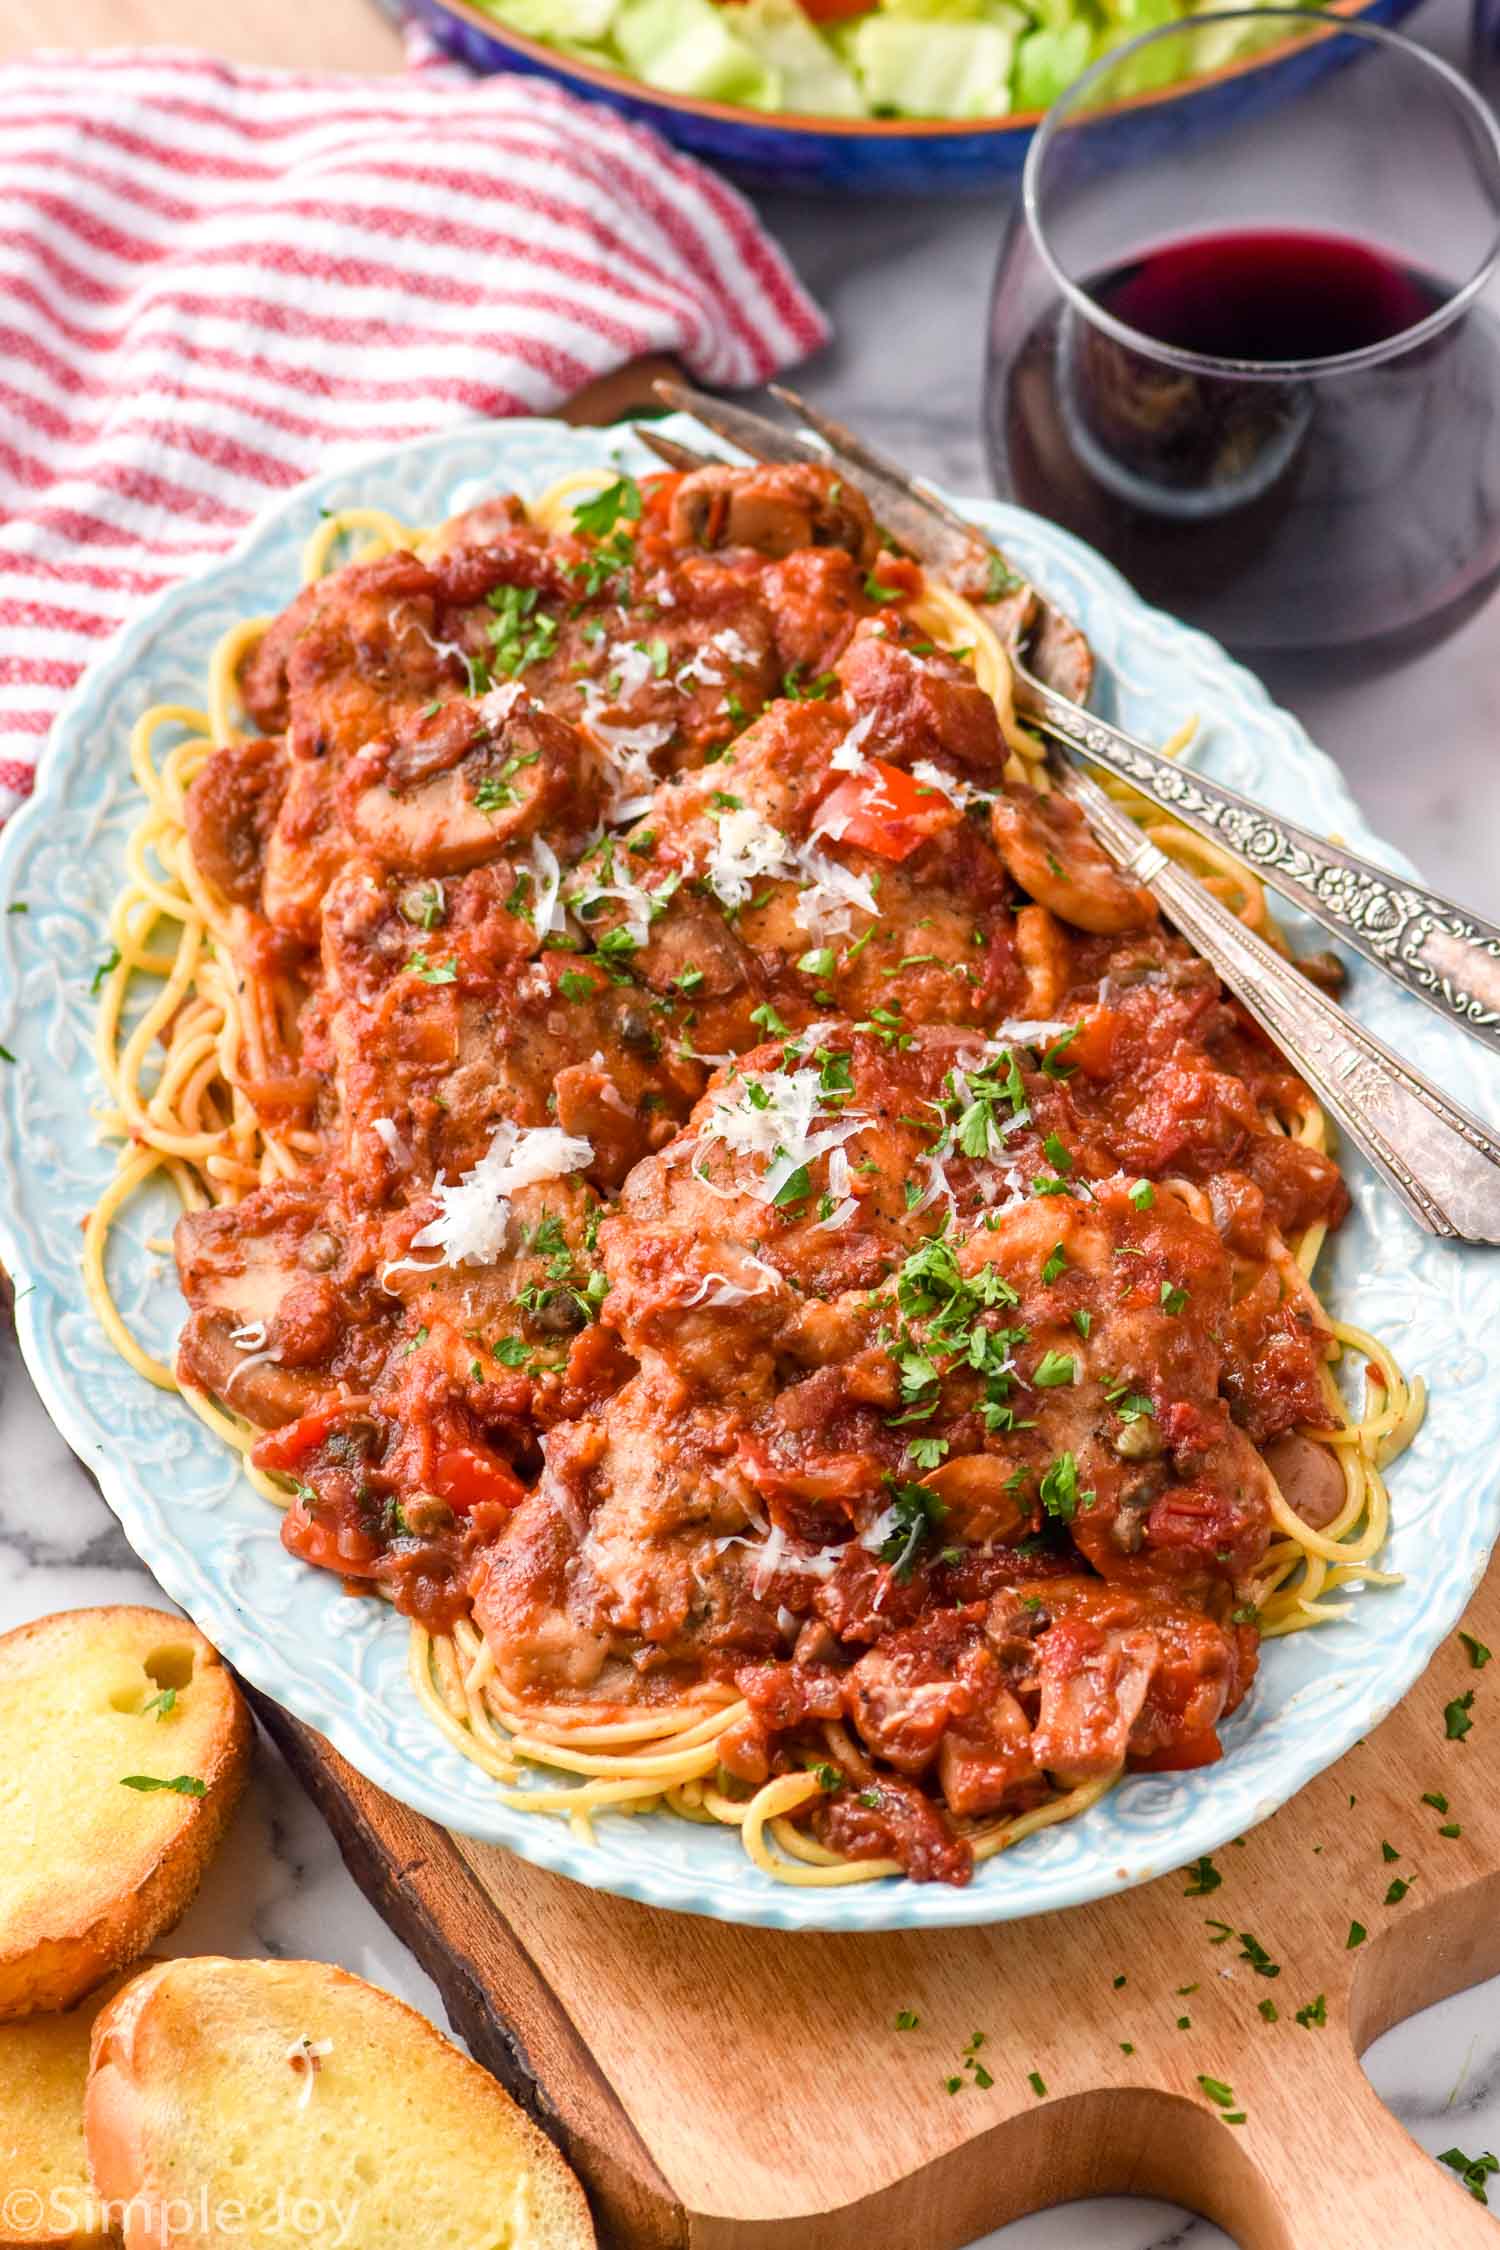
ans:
(873, 128)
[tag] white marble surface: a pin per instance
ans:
(1422, 747)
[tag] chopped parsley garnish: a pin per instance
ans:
(441, 972)
(907, 2019)
(181, 1785)
(1254, 1952)
(1083, 1321)
(1143, 1195)
(819, 962)
(1037, 2083)
(1436, 1799)
(1172, 1298)
(1059, 1157)
(1204, 1877)
(1479, 1655)
(163, 1705)
(1314, 2015)
(1052, 1369)
(1057, 1258)
(598, 515)
(1269, 2010)
(574, 985)
(875, 592)
(1059, 1491)
(768, 1020)
(1052, 1067)
(1456, 1719)
(916, 1512)
(1219, 2094)
(510, 1351)
(521, 634)
(803, 690)
(1357, 1935)
(5, 1054)
(105, 968)
(1398, 1890)
(1000, 579)
(793, 1188)
(491, 794)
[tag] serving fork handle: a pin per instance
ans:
(1439, 1160)
(1445, 955)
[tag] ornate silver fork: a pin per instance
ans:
(1440, 1161)
(1437, 950)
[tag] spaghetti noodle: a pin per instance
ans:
(218, 1025)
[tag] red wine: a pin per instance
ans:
(1278, 506)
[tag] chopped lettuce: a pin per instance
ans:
(562, 23)
(944, 59)
(690, 47)
(911, 67)
(807, 67)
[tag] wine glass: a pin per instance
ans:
(1238, 339)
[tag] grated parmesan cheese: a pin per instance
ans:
(474, 1212)
(390, 1140)
(746, 849)
(788, 1128)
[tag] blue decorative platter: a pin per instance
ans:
(875, 155)
(340, 1664)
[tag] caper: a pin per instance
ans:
(423, 905)
(425, 1514)
(1138, 1441)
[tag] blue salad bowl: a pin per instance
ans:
(884, 156)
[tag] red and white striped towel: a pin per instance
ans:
(214, 281)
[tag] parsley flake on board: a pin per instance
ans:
(1479, 1655)
(1315, 2014)
(1456, 1719)
(1472, 2170)
(1357, 1935)
(1204, 1877)
(907, 2019)
(1037, 2083)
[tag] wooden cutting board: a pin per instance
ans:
(729, 2089)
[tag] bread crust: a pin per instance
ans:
(94, 1920)
(139, 2114)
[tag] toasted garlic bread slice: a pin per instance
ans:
(251, 2100)
(47, 2200)
(94, 1704)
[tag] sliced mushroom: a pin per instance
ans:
(981, 1506)
(458, 783)
(1050, 851)
(773, 510)
(1309, 1476)
(230, 811)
